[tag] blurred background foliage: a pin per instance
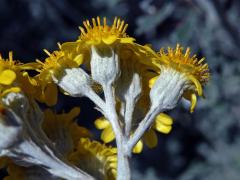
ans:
(204, 145)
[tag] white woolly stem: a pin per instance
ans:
(123, 170)
(43, 156)
(95, 98)
(129, 108)
(142, 128)
(164, 95)
(32, 146)
(131, 97)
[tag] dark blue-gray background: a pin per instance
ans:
(204, 145)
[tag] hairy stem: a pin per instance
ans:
(123, 170)
(96, 99)
(129, 108)
(45, 157)
(142, 128)
(34, 148)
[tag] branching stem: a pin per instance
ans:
(142, 127)
(123, 170)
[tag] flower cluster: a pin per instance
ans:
(132, 85)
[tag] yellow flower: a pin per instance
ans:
(96, 159)
(7, 75)
(47, 90)
(54, 65)
(162, 123)
(100, 32)
(51, 66)
(194, 70)
(101, 35)
(73, 54)
(13, 77)
(45, 93)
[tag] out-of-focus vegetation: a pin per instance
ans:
(202, 146)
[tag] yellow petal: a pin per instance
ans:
(163, 128)
(51, 94)
(127, 40)
(49, 116)
(193, 102)
(29, 66)
(78, 131)
(150, 138)
(78, 59)
(69, 46)
(197, 84)
(101, 123)
(164, 119)
(9, 90)
(112, 158)
(30, 79)
(152, 81)
(7, 77)
(114, 172)
(74, 113)
(192, 97)
(138, 147)
(93, 42)
(109, 39)
(107, 135)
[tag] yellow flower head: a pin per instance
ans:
(163, 124)
(46, 89)
(196, 72)
(95, 158)
(183, 62)
(51, 65)
(13, 77)
(8, 75)
(54, 64)
(100, 32)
